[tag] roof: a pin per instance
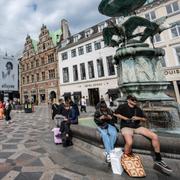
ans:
(34, 43)
(56, 35)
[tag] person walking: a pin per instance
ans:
(8, 108)
(105, 120)
(131, 116)
(1, 111)
(54, 109)
(83, 104)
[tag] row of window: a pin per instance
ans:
(175, 32)
(36, 63)
(80, 50)
(91, 70)
(170, 9)
(51, 75)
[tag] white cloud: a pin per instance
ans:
(22, 17)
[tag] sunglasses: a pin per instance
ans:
(134, 100)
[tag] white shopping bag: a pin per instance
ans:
(115, 156)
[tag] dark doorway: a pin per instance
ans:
(77, 96)
(42, 98)
(93, 96)
(52, 95)
(33, 98)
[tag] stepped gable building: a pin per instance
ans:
(38, 67)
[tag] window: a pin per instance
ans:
(37, 77)
(100, 67)
(42, 61)
(43, 76)
(178, 54)
(22, 67)
(32, 65)
(27, 66)
(175, 31)
(97, 45)
(173, 7)
(75, 39)
(44, 46)
(83, 71)
(64, 56)
(110, 65)
(75, 73)
(27, 79)
(23, 80)
(91, 69)
(150, 16)
(32, 78)
(81, 50)
(50, 58)
(65, 75)
(88, 47)
(52, 74)
(157, 38)
(37, 63)
(87, 33)
(101, 27)
(73, 53)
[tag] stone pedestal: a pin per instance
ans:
(140, 72)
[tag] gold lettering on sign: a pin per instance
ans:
(174, 71)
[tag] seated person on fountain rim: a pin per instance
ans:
(105, 120)
(131, 116)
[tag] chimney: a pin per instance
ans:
(65, 29)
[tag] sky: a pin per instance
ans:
(21, 17)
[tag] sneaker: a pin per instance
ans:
(108, 159)
(161, 165)
(7, 122)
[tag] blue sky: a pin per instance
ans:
(21, 17)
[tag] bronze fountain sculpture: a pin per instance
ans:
(139, 66)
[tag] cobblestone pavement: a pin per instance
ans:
(27, 152)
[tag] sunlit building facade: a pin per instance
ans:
(38, 67)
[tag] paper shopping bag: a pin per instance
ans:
(115, 156)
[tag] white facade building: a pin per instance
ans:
(79, 52)
(86, 68)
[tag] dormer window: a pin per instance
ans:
(76, 38)
(101, 26)
(88, 32)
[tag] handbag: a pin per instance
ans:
(115, 156)
(132, 165)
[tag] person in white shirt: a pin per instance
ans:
(83, 104)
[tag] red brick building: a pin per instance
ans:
(39, 67)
